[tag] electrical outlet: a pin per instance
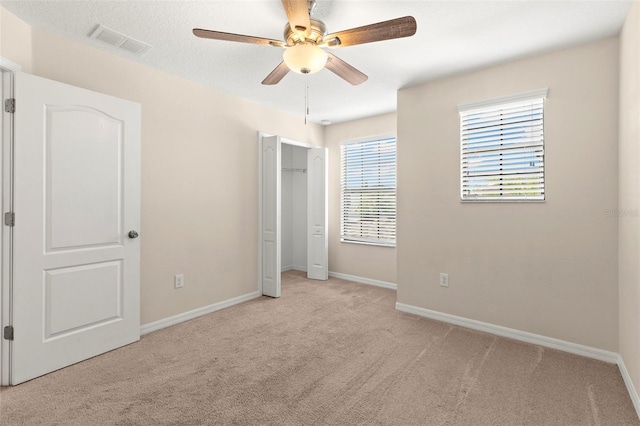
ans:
(444, 280)
(178, 281)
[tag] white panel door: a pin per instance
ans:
(76, 271)
(317, 239)
(270, 161)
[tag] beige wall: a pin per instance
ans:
(378, 263)
(629, 193)
(547, 268)
(199, 173)
(15, 40)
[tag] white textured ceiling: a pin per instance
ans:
(452, 37)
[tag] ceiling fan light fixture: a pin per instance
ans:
(305, 58)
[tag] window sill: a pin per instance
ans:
(366, 243)
(502, 201)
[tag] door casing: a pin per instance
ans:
(7, 70)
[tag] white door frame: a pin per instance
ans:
(7, 70)
(288, 142)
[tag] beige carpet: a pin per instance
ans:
(326, 353)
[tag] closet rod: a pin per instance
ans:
(286, 169)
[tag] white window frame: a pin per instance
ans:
(385, 194)
(530, 144)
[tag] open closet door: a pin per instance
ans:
(270, 220)
(317, 240)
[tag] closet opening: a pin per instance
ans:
(293, 205)
(293, 211)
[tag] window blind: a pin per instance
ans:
(368, 192)
(502, 151)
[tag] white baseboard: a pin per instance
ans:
(362, 280)
(186, 316)
(294, 268)
(629, 383)
(523, 336)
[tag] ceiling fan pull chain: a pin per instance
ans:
(306, 98)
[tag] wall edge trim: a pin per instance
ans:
(626, 377)
(523, 336)
(195, 313)
(362, 280)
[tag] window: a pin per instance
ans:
(502, 149)
(368, 192)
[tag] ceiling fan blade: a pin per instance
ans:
(218, 35)
(277, 74)
(387, 30)
(344, 70)
(298, 15)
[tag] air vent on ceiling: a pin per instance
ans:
(120, 40)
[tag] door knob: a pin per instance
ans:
(133, 234)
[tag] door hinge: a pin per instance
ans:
(10, 105)
(10, 219)
(8, 332)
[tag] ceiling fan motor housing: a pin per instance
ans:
(293, 37)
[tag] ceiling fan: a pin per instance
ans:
(305, 38)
